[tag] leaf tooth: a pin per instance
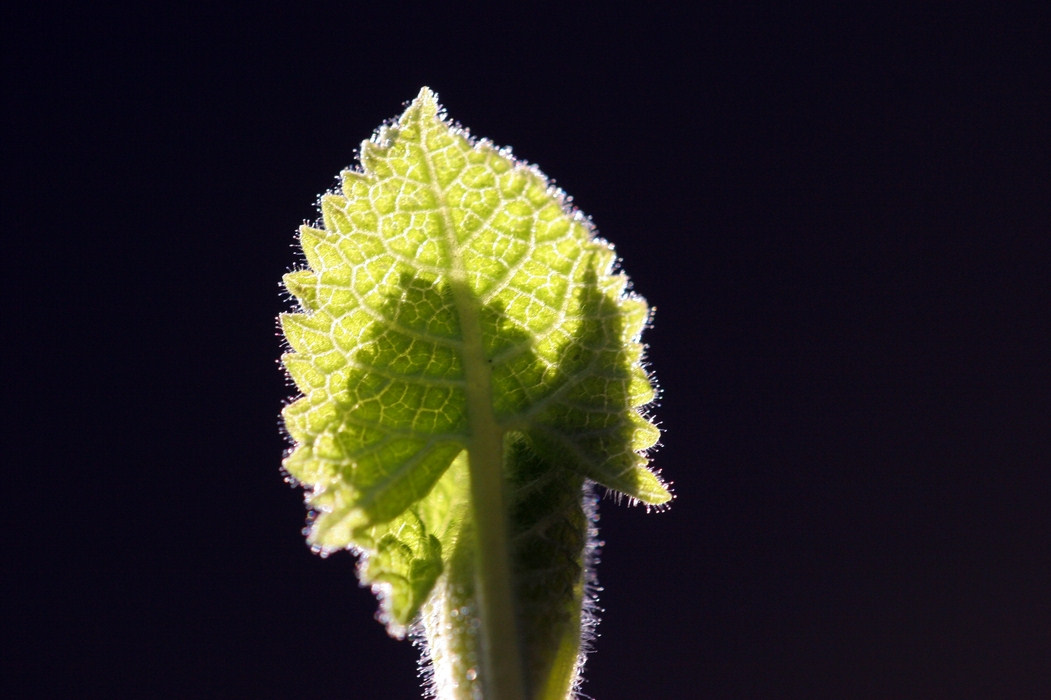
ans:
(303, 372)
(302, 284)
(333, 214)
(604, 258)
(305, 334)
(647, 487)
(334, 528)
(332, 291)
(633, 479)
(646, 434)
(615, 286)
(355, 185)
(640, 389)
(292, 415)
(320, 247)
(375, 156)
(635, 314)
(513, 183)
(619, 467)
(302, 466)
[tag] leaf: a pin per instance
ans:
(454, 301)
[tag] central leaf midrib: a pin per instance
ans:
(501, 655)
(480, 415)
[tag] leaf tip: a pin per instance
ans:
(427, 102)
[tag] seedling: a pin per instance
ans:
(470, 365)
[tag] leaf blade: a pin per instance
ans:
(445, 265)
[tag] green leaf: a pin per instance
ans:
(461, 323)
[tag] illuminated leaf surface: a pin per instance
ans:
(447, 281)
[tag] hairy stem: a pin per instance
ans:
(501, 663)
(502, 676)
(501, 671)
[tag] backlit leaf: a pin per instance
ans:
(447, 281)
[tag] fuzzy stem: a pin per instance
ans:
(501, 667)
(501, 670)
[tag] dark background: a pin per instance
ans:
(842, 218)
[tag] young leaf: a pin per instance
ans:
(469, 362)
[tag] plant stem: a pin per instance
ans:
(501, 663)
(501, 668)
(501, 675)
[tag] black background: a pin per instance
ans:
(842, 218)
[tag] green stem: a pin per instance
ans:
(501, 670)
(502, 677)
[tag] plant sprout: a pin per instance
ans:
(470, 365)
